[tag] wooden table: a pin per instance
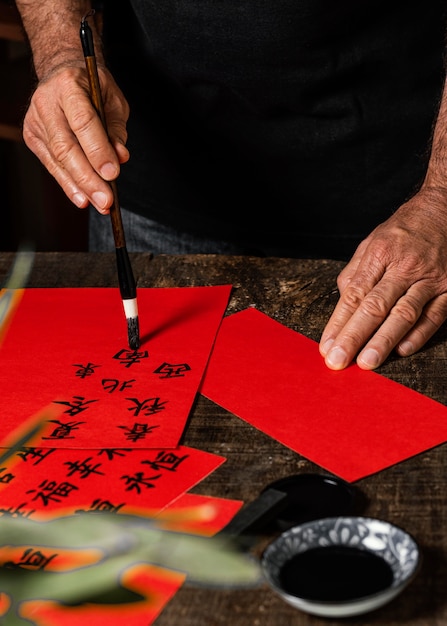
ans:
(299, 294)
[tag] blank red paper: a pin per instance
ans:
(351, 422)
(68, 347)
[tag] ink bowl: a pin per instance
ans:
(341, 566)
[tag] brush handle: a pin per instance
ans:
(125, 275)
(126, 278)
(95, 94)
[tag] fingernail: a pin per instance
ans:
(99, 199)
(326, 346)
(370, 358)
(406, 348)
(79, 199)
(336, 359)
(109, 171)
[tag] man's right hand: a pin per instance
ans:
(64, 131)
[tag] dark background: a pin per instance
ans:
(33, 208)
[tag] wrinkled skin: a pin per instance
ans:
(393, 292)
(62, 128)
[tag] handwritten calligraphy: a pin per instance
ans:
(120, 480)
(111, 396)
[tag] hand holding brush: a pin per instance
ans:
(125, 274)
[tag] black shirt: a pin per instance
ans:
(296, 124)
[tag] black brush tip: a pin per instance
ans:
(133, 333)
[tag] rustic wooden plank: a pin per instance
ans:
(301, 295)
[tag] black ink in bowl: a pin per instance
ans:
(341, 566)
(335, 573)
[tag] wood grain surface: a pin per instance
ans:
(301, 295)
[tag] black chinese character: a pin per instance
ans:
(63, 431)
(16, 512)
(149, 406)
(36, 454)
(31, 559)
(166, 460)
(139, 480)
(138, 431)
(113, 384)
(5, 477)
(112, 452)
(78, 405)
(171, 370)
(83, 467)
(85, 370)
(51, 491)
(130, 357)
(102, 506)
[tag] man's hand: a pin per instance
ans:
(393, 292)
(64, 131)
(61, 125)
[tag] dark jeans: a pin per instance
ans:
(145, 235)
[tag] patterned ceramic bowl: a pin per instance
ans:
(341, 566)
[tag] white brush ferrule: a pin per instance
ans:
(130, 308)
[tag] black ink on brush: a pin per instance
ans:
(125, 274)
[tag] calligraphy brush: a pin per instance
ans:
(125, 274)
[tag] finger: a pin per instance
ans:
(72, 191)
(121, 151)
(366, 295)
(70, 140)
(71, 157)
(71, 179)
(59, 151)
(351, 268)
(84, 123)
(354, 282)
(94, 141)
(357, 317)
(431, 319)
(403, 317)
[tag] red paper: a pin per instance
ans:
(156, 585)
(351, 422)
(198, 515)
(40, 482)
(69, 347)
(43, 484)
(191, 513)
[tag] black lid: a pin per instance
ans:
(313, 496)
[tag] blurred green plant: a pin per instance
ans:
(10, 293)
(20, 270)
(122, 541)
